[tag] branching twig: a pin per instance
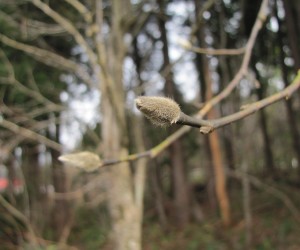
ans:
(209, 51)
(27, 133)
(49, 58)
(87, 15)
(261, 17)
(209, 125)
(16, 213)
(69, 28)
(272, 190)
(206, 126)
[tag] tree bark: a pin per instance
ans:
(268, 153)
(214, 144)
(180, 185)
(60, 211)
(289, 103)
(292, 31)
(124, 203)
(226, 107)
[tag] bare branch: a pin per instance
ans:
(87, 15)
(69, 28)
(49, 58)
(208, 51)
(16, 213)
(270, 189)
(27, 133)
(29, 92)
(261, 17)
(206, 6)
(207, 126)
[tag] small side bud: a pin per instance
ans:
(86, 161)
(161, 111)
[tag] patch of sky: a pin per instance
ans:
(245, 87)
(186, 78)
(288, 61)
(273, 25)
(82, 111)
(206, 15)
(227, 2)
(280, 9)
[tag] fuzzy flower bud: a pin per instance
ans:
(86, 161)
(160, 111)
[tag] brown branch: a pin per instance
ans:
(270, 189)
(261, 17)
(49, 58)
(69, 28)
(36, 28)
(29, 92)
(152, 153)
(27, 133)
(207, 107)
(207, 126)
(87, 15)
(79, 193)
(16, 213)
(208, 51)
(206, 6)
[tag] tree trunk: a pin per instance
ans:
(214, 144)
(292, 31)
(180, 185)
(227, 105)
(268, 153)
(269, 159)
(289, 103)
(124, 204)
(60, 211)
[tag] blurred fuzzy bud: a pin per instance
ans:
(86, 161)
(184, 43)
(161, 111)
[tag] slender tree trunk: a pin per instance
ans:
(125, 193)
(181, 189)
(226, 108)
(292, 32)
(249, 20)
(125, 217)
(268, 153)
(247, 205)
(199, 60)
(215, 148)
(158, 194)
(269, 159)
(61, 208)
(34, 184)
(289, 103)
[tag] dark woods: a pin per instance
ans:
(69, 74)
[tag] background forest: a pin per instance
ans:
(70, 71)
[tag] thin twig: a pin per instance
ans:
(270, 189)
(49, 58)
(210, 125)
(16, 213)
(69, 28)
(27, 133)
(261, 17)
(209, 51)
(87, 15)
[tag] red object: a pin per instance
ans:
(3, 183)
